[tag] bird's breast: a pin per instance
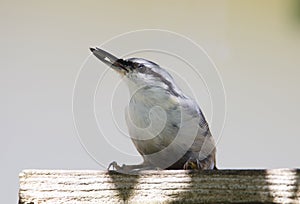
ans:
(153, 124)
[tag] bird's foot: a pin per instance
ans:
(121, 169)
(130, 168)
(193, 163)
(114, 166)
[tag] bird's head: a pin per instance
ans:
(139, 71)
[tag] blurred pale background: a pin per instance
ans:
(255, 44)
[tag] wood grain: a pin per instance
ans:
(168, 186)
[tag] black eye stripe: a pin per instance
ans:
(125, 62)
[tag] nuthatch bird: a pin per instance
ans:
(166, 126)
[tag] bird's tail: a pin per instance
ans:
(215, 164)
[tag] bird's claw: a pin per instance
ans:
(195, 163)
(114, 166)
(192, 164)
(130, 169)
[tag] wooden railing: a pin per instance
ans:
(168, 186)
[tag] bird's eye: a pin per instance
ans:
(141, 68)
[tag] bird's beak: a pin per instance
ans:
(109, 60)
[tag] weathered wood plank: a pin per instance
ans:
(178, 186)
